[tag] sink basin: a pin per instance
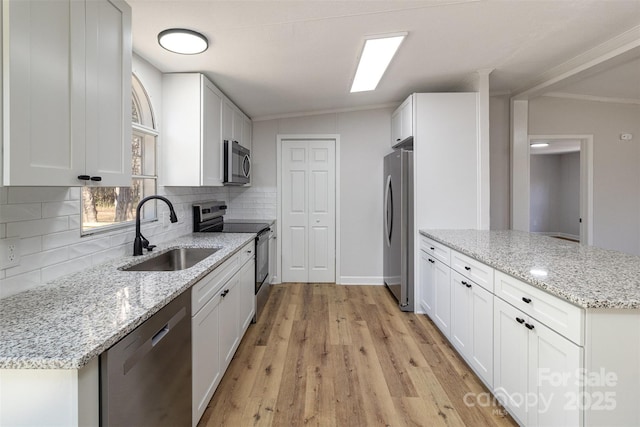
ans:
(173, 260)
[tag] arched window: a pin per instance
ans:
(106, 208)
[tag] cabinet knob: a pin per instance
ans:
(527, 300)
(530, 327)
(431, 261)
(467, 284)
(398, 139)
(432, 248)
(467, 268)
(519, 320)
(224, 293)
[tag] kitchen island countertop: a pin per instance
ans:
(586, 276)
(69, 321)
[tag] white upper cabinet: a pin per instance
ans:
(192, 114)
(402, 122)
(67, 92)
(236, 126)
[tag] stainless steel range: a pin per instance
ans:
(208, 217)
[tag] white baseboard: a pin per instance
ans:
(361, 280)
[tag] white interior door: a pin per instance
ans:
(308, 211)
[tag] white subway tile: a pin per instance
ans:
(13, 285)
(74, 222)
(74, 193)
(37, 227)
(3, 195)
(64, 238)
(52, 209)
(30, 245)
(20, 212)
(39, 260)
(112, 253)
(37, 194)
(88, 247)
(72, 266)
(3, 231)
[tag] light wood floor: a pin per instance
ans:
(332, 355)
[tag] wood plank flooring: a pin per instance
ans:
(333, 355)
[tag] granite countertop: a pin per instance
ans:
(586, 276)
(66, 323)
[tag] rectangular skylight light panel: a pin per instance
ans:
(376, 56)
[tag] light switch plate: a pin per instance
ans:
(9, 252)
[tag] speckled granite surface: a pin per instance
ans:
(584, 275)
(64, 324)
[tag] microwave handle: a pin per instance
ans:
(246, 170)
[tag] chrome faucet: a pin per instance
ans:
(140, 242)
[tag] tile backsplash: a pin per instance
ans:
(47, 221)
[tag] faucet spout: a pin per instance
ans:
(140, 242)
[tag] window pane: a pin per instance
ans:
(103, 206)
(149, 155)
(136, 153)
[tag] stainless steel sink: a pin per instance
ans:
(173, 260)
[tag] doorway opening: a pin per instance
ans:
(561, 186)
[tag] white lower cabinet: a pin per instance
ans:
(536, 370)
(442, 297)
(472, 325)
(219, 324)
(427, 286)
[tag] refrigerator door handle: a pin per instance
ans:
(388, 209)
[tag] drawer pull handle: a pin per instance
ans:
(432, 248)
(527, 300)
(467, 268)
(468, 285)
(84, 177)
(519, 320)
(530, 327)
(224, 293)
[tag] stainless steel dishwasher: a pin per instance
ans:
(145, 378)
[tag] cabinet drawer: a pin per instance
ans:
(207, 287)
(246, 253)
(480, 273)
(559, 315)
(437, 250)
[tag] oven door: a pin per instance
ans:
(237, 164)
(262, 257)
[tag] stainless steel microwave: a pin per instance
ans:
(237, 163)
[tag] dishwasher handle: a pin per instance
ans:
(148, 344)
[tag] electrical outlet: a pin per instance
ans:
(9, 252)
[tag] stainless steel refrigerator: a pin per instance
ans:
(398, 226)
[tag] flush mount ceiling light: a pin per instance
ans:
(539, 145)
(377, 53)
(185, 42)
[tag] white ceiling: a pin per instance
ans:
(286, 57)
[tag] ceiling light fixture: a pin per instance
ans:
(377, 53)
(182, 41)
(539, 145)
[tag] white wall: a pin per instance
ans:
(47, 219)
(500, 160)
(616, 175)
(544, 193)
(364, 140)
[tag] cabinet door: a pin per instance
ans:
(461, 313)
(227, 120)
(247, 132)
(108, 92)
(554, 366)
(481, 331)
(211, 159)
(229, 321)
(442, 297)
(406, 117)
(238, 123)
(43, 108)
(247, 291)
(510, 357)
(427, 283)
(396, 127)
(273, 266)
(206, 356)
